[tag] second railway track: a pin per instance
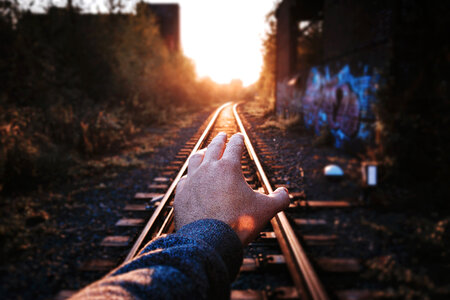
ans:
(275, 266)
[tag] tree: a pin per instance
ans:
(266, 83)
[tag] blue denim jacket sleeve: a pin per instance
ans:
(197, 262)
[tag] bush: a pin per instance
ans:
(101, 133)
(28, 156)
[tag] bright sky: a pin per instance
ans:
(223, 37)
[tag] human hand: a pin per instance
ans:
(215, 188)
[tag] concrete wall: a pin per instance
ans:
(286, 35)
(339, 92)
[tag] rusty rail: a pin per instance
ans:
(305, 278)
(157, 213)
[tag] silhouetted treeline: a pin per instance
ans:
(74, 83)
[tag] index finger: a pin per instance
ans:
(215, 148)
(234, 149)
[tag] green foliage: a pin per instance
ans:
(75, 85)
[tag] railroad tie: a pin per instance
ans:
(130, 222)
(115, 241)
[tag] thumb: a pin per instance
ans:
(180, 184)
(279, 199)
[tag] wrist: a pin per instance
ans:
(221, 237)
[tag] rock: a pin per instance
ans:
(333, 171)
(36, 219)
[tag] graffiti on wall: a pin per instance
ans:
(342, 102)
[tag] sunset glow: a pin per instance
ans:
(224, 38)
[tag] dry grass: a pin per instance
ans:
(290, 124)
(260, 107)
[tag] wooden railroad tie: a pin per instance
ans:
(309, 222)
(115, 241)
(97, 265)
(161, 179)
(136, 207)
(327, 264)
(321, 204)
(130, 222)
(147, 196)
(158, 186)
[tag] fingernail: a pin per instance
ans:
(282, 189)
(240, 134)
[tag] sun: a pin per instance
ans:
(224, 38)
(224, 61)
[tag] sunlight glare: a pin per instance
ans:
(224, 38)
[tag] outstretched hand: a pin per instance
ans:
(215, 188)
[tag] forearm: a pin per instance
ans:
(199, 261)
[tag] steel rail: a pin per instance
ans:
(138, 244)
(308, 284)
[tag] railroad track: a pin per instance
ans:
(276, 264)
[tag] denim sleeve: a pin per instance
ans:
(197, 262)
